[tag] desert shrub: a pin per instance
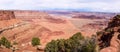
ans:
(5, 42)
(35, 41)
(77, 36)
(76, 43)
(89, 45)
(52, 46)
(61, 45)
(69, 45)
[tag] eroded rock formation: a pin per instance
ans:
(110, 34)
(6, 15)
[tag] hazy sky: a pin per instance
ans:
(85, 5)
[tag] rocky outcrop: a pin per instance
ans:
(110, 34)
(6, 15)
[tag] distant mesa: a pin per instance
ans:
(6, 15)
(89, 17)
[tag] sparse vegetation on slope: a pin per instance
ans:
(76, 43)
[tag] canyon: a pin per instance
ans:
(22, 25)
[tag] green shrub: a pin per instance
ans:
(77, 36)
(52, 46)
(5, 42)
(35, 41)
(76, 43)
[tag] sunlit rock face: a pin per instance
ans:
(6, 15)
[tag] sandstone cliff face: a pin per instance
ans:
(6, 15)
